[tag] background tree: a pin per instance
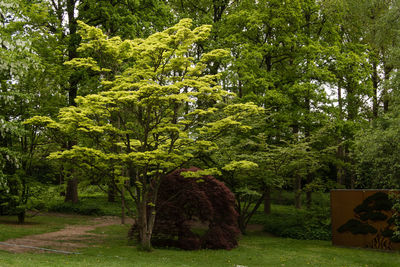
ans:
(376, 153)
(282, 56)
(26, 90)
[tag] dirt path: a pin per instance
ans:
(69, 239)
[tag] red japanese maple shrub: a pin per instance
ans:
(185, 202)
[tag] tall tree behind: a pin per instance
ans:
(281, 61)
(130, 19)
(357, 66)
(373, 23)
(26, 89)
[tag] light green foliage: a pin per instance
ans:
(243, 165)
(149, 122)
(375, 147)
(291, 161)
(284, 58)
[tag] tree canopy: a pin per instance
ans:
(265, 95)
(159, 113)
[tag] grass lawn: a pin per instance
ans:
(37, 225)
(256, 249)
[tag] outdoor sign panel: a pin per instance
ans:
(363, 218)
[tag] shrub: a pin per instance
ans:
(286, 198)
(81, 207)
(299, 224)
(95, 205)
(181, 201)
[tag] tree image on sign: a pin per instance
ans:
(189, 204)
(373, 216)
(163, 110)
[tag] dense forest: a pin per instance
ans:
(300, 95)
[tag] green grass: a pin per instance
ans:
(255, 249)
(36, 225)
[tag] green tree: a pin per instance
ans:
(243, 169)
(24, 89)
(150, 113)
(376, 151)
(129, 19)
(282, 56)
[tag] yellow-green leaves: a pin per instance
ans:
(160, 111)
(200, 173)
(42, 121)
(89, 63)
(243, 165)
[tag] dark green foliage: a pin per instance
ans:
(298, 224)
(87, 205)
(395, 220)
(15, 194)
(376, 149)
(356, 227)
(283, 197)
(126, 18)
(78, 208)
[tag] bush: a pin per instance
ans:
(287, 198)
(96, 205)
(299, 224)
(92, 201)
(183, 201)
(82, 208)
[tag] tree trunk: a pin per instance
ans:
(21, 217)
(308, 199)
(385, 95)
(297, 192)
(267, 200)
(340, 171)
(146, 223)
(339, 152)
(309, 192)
(145, 240)
(73, 43)
(145, 236)
(71, 194)
(111, 192)
(242, 225)
(375, 84)
(280, 197)
(123, 204)
(352, 181)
